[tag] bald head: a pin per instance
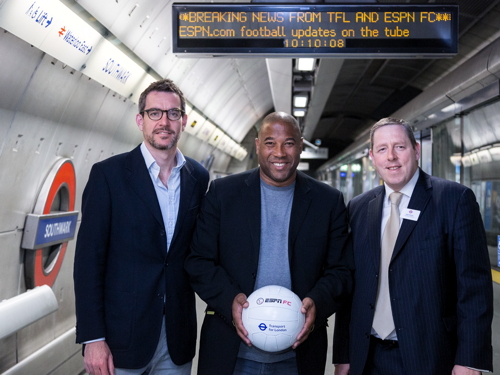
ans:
(282, 118)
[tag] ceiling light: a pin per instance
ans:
(484, 156)
(495, 153)
(300, 100)
(299, 112)
(456, 159)
(306, 64)
(449, 108)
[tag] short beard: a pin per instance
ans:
(173, 142)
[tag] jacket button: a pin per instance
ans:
(162, 233)
(371, 306)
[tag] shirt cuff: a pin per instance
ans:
(91, 341)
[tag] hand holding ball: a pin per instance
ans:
(273, 318)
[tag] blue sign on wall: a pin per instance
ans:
(60, 229)
(47, 230)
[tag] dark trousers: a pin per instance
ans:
(384, 358)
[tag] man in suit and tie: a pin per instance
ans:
(270, 225)
(135, 307)
(423, 300)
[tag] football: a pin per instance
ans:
(273, 318)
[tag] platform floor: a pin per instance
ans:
(329, 367)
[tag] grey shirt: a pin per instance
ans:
(274, 265)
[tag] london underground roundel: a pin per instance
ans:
(51, 225)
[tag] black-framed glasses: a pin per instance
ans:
(155, 114)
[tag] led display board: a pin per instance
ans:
(322, 30)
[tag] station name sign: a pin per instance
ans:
(51, 229)
(322, 30)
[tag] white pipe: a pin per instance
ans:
(22, 310)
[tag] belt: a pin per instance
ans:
(385, 343)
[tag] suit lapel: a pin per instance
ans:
(251, 196)
(188, 183)
(300, 206)
(419, 200)
(374, 218)
(140, 180)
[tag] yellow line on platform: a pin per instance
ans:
(496, 276)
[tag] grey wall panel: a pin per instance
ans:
(126, 133)
(7, 353)
(250, 161)
(53, 358)
(23, 168)
(194, 147)
(10, 264)
(34, 337)
(10, 271)
(72, 366)
(64, 318)
(481, 127)
(17, 67)
(221, 161)
(84, 102)
(49, 90)
(33, 145)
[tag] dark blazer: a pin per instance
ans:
(122, 270)
(224, 261)
(439, 280)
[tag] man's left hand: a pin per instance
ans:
(308, 308)
(461, 370)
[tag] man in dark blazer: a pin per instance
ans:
(234, 241)
(135, 307)
(439, 278)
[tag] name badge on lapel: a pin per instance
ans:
(410, 214)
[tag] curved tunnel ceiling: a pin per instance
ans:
(233, 93)
(347, 95)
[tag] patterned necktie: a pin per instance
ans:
(383, 323)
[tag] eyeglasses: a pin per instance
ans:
(156, 114)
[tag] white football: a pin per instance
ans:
(273, 318)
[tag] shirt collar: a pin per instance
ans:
(151, 162)
(408, 188)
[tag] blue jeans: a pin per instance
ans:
(247, 367)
